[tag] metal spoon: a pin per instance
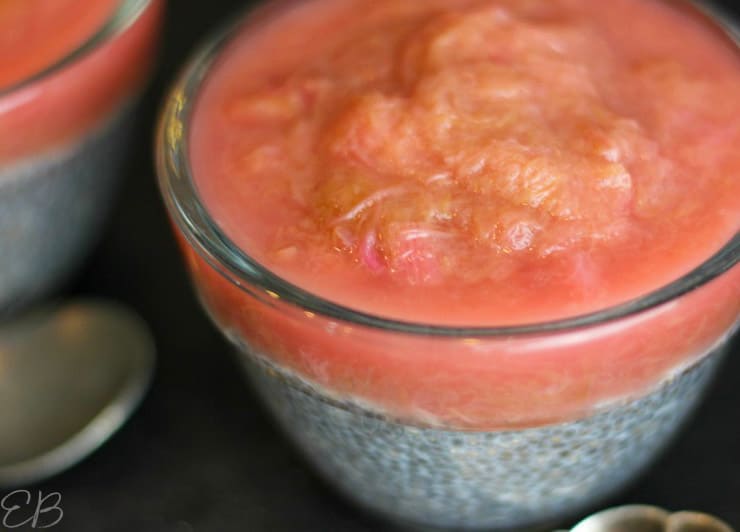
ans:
(650, 519)
(69, 378)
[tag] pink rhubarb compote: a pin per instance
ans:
(475, 163)
(46, 101)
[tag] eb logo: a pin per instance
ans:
(22, 508)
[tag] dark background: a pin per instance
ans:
(201, 455)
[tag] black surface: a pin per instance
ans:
(201, 455)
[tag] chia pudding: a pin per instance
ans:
(67, 108)
(480, 480)
(53, 207)
(479, 256)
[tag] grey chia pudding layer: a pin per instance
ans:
(500, 479)
(52, 207)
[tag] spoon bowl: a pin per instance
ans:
(70, 376)
(640, 518)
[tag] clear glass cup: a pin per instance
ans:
(453, 427)
(64, 134)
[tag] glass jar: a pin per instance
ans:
(64, 135)
(452, 427)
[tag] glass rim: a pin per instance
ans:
(125, 14)
(192, 219)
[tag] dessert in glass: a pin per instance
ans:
(479, 257)
(71, 72)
